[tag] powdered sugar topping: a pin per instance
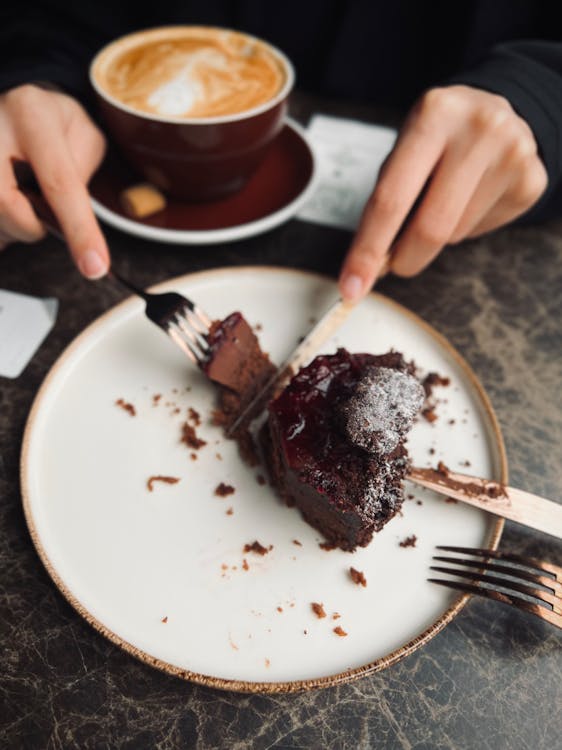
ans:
(381, 409)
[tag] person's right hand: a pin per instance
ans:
(53, 134)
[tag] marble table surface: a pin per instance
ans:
(491, 679)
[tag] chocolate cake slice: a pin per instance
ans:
(240, 368)
(334, 442)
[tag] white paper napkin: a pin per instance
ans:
(24, 323)
(350, 154)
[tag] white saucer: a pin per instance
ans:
(278, 189)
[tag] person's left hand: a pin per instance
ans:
(475, 161)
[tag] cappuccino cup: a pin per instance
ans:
(193, 109)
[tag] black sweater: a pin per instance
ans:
(366, 50)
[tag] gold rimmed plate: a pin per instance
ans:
(164, 573)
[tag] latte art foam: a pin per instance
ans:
(203, 74)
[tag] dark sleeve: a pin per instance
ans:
(55, 41)
(529, 75)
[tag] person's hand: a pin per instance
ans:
(52, 132)
(470, 160)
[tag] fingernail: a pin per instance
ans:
(92, 265)
(352, 287)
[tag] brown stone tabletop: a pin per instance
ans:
(491, 679)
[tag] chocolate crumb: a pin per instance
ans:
(419, 502)
(442, 469)
(245, 565)
(230, 511)
(327, 546)
(164, 619)
(410, 541)
(336, 616)
(340, 631)
(452, 421)
(260, 479)
(429, 414)
(411, 497)
(194, 416)
(267, 662)
(358, 577)
(296, 541)
(451, 500)
(223, 490)
(258, 548)
(280, 609)
(156, 398)
(129, 408)
(193, 456)
(466, 463)
(432, 451)
(318, 610)
(433, 379)
(189, 437)
(167, 480)
(218, 456)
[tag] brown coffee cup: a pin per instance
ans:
(233, 89)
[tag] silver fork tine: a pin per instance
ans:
(506, 570)
(179, 317)
(186, 339)
(548, 599)
(477, 577)
(194, 335)
(515, 601)
(529, 562)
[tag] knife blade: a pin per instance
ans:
(507, 502)
(332, 319)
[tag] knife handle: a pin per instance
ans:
(507, 502)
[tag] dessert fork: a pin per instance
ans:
(184, 322)
(531, 585)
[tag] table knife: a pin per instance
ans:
(321, 332)
(507, 502)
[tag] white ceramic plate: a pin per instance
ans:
(230, 233)
(127, 559)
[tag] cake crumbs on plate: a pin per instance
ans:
(193, 456)
(230, 511)
(245, 565)
(126, 406)
(156, 398)
(218, 456)
(409, 541)
(338, 630)
(327, 546)
(194, 416)
(336, 616)
(160, 478)
(260, 479)
(164, 619)
(318, 609)
(223, 490)
(267, 662)
(429, 414)
(280, 609)
(358, 577)
(190, 438)
(257, 548)
(297, 543)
